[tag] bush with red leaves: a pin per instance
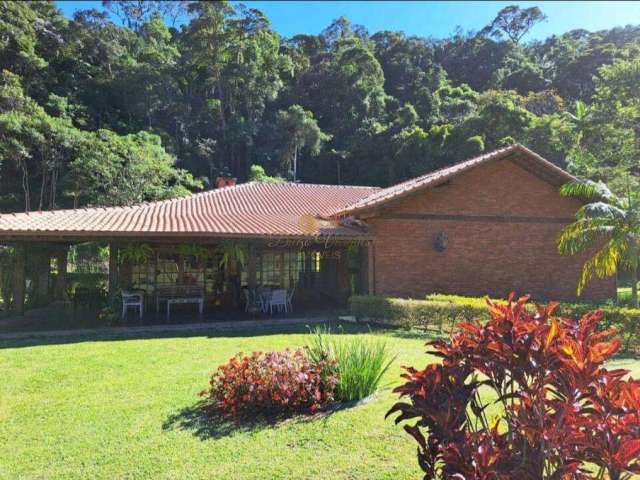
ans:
(273, 383)
(560, 413)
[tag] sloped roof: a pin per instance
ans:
(253, 209)
(249, 209)
(527, 159)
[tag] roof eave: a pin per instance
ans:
(505, 154)
(53, 235)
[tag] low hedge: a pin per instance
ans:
(407, 312)
(443, 312)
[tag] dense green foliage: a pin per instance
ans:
(444, 312)
(92, 112)
(359, 363)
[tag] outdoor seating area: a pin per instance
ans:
(144, 283)
(265, 300)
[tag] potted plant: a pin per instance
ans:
(136, 253)
(193, 254)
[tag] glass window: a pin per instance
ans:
(288, 269)
(142, 276)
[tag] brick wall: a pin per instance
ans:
(515, 252)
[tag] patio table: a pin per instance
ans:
(180, 295)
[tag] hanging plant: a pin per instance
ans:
(233, 252)
(353, 256)
(136, 253)
(190, 250)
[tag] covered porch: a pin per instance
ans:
(180, 280)
(208, 251)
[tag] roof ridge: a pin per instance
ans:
(305, 184)
(412, 184)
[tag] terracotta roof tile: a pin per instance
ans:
(250, 209)
(440, 176)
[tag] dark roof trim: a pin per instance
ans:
(544, 169)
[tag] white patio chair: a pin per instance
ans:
(248, 296)
(263, 296)
(290, 294)
(278, 300)
(132, 299)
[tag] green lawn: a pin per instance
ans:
(624, 295)
(121, 408)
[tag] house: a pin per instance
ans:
(488, 225)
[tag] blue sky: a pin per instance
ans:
(437, 19)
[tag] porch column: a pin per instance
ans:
(252, 279)
(371, 273)
(61, 279)
(113, 269)
(19, 279)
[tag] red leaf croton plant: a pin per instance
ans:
(524, 396)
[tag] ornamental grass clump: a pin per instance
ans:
(359, 362)
(270, 384)
(524, 395)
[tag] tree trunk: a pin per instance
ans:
(634, 287)
(25, 187)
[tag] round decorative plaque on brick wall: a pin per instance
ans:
(441, 242)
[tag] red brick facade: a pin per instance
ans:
(501, 225)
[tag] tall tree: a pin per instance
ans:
(112, 169)
(514, 22)
(230, 71)
(301, 132)
(135, 13)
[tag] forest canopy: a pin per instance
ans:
(94, 112)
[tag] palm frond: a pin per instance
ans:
(629, 245)
(601, 210)
(582, 110)
(583, 235)
(588, 191)
(603, 264)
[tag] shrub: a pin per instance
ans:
(445, 311)
(561, 414)
(273, 383)
(408, 313)
(359, 362)
(479, 303)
